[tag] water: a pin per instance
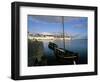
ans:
(78, 46)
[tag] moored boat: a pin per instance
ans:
(63, 55)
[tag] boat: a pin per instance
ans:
(63, 55)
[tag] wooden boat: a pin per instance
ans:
(63, 55)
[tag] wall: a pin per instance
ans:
(5, 40)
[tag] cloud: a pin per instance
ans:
(80, 26)
(52, 19)
(46, 33)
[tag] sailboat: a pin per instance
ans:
(62, 55)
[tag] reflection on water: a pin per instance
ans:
(39, 54)
(78, 46)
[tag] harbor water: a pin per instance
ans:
(77, 46)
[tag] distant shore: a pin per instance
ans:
(48, 38)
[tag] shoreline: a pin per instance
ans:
(47, 38)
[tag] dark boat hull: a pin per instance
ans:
(63, 55)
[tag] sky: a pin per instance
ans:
(73, 26)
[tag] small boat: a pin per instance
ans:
(63, 55)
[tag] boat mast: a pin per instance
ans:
(63, 31)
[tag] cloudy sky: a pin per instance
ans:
(74, 26)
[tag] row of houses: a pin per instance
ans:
(47, 36)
